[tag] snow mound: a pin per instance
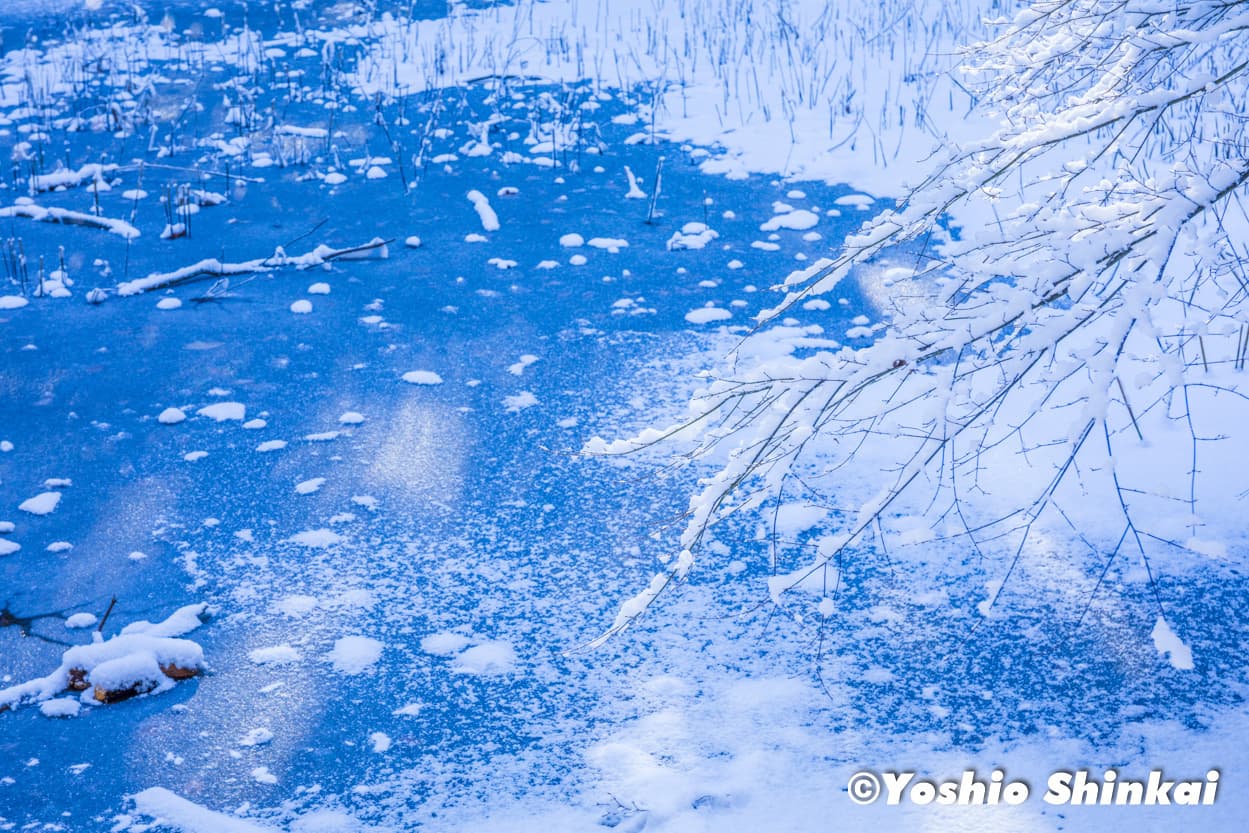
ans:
(422, 377)
(41, 504)
(355, 654)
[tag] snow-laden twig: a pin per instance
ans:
(40, 214)
(214, 268)
(66, 178)
(1057, 361)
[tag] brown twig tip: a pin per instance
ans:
(107, 613)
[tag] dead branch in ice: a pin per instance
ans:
(40, 214)
(213, 268)
(66, 178)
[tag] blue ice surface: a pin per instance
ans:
(486, 522)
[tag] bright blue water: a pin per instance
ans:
(486, 520)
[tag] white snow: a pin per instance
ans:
(80, 620)
(224, 411)
(706, 315)
(316, 538)
(41, 504)
(319, 288)
(444, 644)
(271, 445)
(307, 487)
(12, 302)
(519, 366)
(351, 418)
(256, 737)
(519, 401)
(572, 240)
(174, 811)
(275, 655)
(692, 236)
(380, 741)
(8, 547)
(60, 707)
(171, 416)
(489, 220)
(301, 307)
(797, 220)
(355, 654)
(1165, 640)
(422, 377)
(495, 657)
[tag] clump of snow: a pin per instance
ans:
(319, 288)
(1169, 644)
(572, 240)
(316, 538)
(412, 242)
(380, 741)
(519, 402)
(256, 737)
(224, 411)
(301, 307)
(422, 377)
(41, 504)
(351, 418)
(9, 547)
(60, 707)
(692, 236)
(275, 655)
(271, 445)
(797, 220)
(495, 657)
(80, 620)
(12, 302)
(489, 220)
(706, 315)
(355, 654)
(518, 367)
(264, 776)
(445, 644)
(169, 303)
(171, 416)
(310, 486)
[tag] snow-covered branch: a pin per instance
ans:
(213, 268)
